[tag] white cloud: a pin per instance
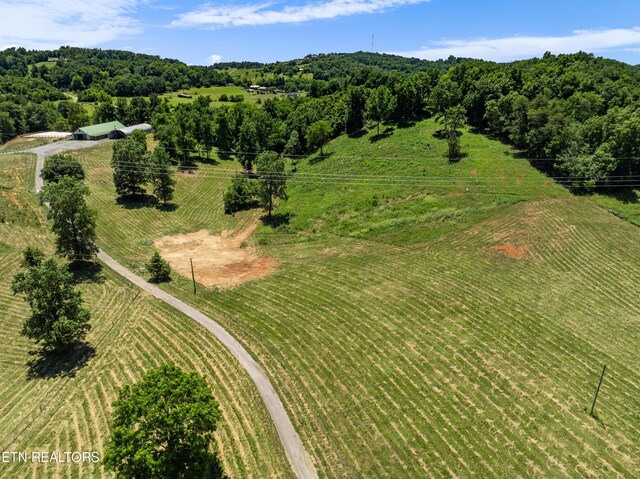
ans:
(44, 24)
(209, 15)
(213, 59)
(519, 47)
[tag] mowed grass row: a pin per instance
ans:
(43, 407)
(419, 349)
(198, 206)
(453, 359)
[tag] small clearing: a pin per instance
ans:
(224, 261)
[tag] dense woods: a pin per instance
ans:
(577, 112)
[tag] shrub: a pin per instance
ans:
(242, 194)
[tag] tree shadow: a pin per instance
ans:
(86, 272)
(277, 219)
(381, 136)
(48, 364)
(136, 202)
(226, 156)
(167, 207)
(207, 161)
(358, 134)
(624, 195)
(215, 469)
(319, 158)
(187, 167)
(168, 279)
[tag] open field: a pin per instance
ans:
(49, 406)
(453, 328)
(215, 91)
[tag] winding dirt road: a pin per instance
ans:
(298, 456)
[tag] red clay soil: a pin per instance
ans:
(510, 250)
(224, 261)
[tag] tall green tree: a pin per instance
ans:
(162, 427)
(223, 135)
(380, 105)
(355, 107)
(105, 111)
(453, 119)
(184, 123)
(129, 163)
(74, 223)
(318, 134)
(161, 175)
(57, 319)
(272, 179)
(247, 144)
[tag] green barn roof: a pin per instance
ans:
(101, 129)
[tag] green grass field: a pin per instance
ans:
(214, 92)
(455, 327)
(44, 406)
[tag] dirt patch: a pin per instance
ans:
(510, 250)
(474, 172)
(224, 261)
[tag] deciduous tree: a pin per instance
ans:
(74, 223)
(57, 319)
(161, 175)
(163, 426)
(58, 166)
(129, 165)
(380, 105)
(318, 134)
(271, 179)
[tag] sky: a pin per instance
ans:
(203, 33)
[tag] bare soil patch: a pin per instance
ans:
(224, 261)
(510, 250)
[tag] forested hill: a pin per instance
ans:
(119, 73)
(345, 65)
(579, 113)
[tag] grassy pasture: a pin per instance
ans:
(456, 328)
(214, 92)
(48, 408)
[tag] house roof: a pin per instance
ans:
(100, 129)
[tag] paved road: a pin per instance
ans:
(296, 453)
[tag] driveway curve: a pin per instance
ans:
(297, 455)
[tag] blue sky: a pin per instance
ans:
(200, 32)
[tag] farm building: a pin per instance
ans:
(127, 130)
(96, 132)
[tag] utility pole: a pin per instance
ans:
(372, 37)
(193, 277)
(598, 390)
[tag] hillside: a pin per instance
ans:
(455, 326)
(66, 405)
